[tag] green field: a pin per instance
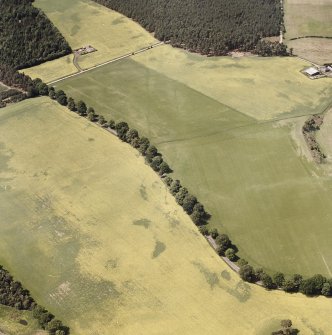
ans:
(309, 18)
(249, 174)
(83, 22)
(14, 322)
(95, 236)
(260, 87)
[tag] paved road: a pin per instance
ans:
(107, 62)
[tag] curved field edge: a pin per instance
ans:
(117, 263)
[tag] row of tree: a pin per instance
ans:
(27, 36)
(21, 86)
(309, 130)
(315, 285)
(211, 27)
(152, 157)
(13, 294)
(269, 49)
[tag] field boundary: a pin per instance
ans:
(130, 54)
(301, 37)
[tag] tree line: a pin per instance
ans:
(210, 27)
(27, 36)
(14, 295)
(315, 285)
(21, 86)
(153, 157)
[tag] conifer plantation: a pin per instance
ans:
(212, 27)
(27, 36)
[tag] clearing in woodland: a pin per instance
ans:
(96, 237)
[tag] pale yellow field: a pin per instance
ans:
(94, 234)
(263, 88)
(83, 22)
(260, 87)
(52, 70)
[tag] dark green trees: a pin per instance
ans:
(230, 254)
(61, 97)
(81, 108)
(223, 243)
(210, 27)
(27, 36)
(268, 49)
(279, 279)
(122, 128)
(247, 273)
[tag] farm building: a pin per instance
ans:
(311, 71)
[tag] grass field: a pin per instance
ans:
(52, 70)
(83, 22)
(309, 18)
(10, 322)
(318, 50)
(249, 174)
(96, 237)
(260, 87)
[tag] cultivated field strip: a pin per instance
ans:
(125, 264)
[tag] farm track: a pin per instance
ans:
(75, 62)
(105, 63)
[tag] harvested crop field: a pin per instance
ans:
(106, 263)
